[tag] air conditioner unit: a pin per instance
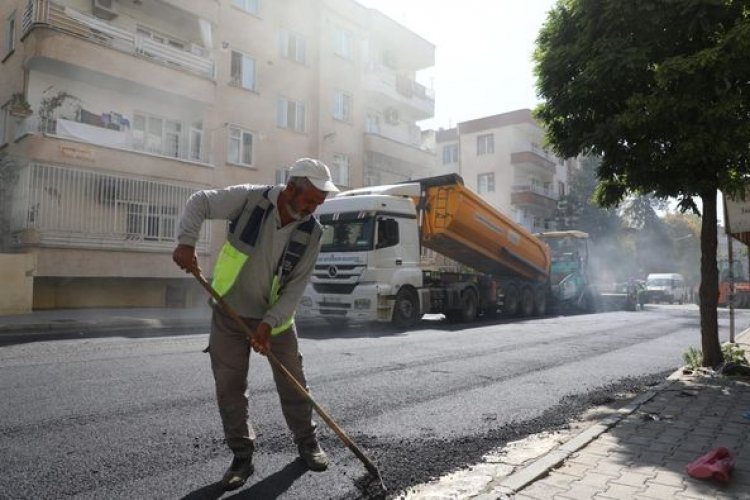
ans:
(391, 116)
(104, 9)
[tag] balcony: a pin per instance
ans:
(390, 89)
(535, 159)
(534, 198)
(54, 205)
(187, 147)
(46, 14)
(394, 160)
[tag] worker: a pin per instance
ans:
(272, 244)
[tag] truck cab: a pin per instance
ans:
(369, 252)
(668, 287)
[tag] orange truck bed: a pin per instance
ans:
(461, 225)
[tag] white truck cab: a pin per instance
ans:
(667, 287)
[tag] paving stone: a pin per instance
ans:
(609, 468)
(540, 490)
(584, 458)
(667, 478)
(635, 479)
(579, 491)
(622, 491)
(597, 480)
(575, 469)
(660, 491)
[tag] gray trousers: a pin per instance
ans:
(230, 358)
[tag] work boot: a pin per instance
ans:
(237, 473)
(315, 458)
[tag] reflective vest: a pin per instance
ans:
(241, 243)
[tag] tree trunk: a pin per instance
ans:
(709, 289)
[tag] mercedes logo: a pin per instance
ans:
(332, 271)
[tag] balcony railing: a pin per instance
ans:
(540, 190)
(402, 88)
(43, 13)
(191, 148)
(55, 205)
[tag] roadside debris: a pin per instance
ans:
(716, 464)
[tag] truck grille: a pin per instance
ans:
(335, 288)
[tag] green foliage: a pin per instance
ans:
(9, 169)
(732, 353)
(659, 89)
(693, 358)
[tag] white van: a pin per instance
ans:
(667, 287)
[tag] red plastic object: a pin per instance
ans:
(716, 464)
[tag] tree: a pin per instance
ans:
(579, 211)
(659, 89)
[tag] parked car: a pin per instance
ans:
(666, 287)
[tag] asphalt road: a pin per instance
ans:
(135, 417)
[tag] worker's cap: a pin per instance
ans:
(316, 172)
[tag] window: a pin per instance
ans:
(485, 144)
(147, 133)
(282, 175)
(160, 37)
(561, 188)
(144, 221)
(10, 33)
(240, 150)
(486, 183)
(196, 141)
(342, 105)
(372, 123)
(343, 43)
(450, 154)
(293, 46)
(340, 170)
(290, 114)
(250, 6)
(242, 71)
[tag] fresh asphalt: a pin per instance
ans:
(134, 417)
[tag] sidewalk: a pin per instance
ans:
(49, 323)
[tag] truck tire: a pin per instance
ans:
(540, 301)
(469, 306)
(527, 302)
(510, 301)
(406, 309)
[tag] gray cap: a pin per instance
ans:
(316, 172)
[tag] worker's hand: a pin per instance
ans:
(261, 340)
(185, 257)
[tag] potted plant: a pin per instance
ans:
(18, 106)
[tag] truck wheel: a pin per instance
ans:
(406, 308)
(540, 301)
(527, 302)
(510, 301)
(469, 306)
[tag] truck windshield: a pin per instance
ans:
(660, 282)
(347, 235)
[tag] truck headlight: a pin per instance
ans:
(306, 301)
(362, 304)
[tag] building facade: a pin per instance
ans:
(502, 159)
(115, 111)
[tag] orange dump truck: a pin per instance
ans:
(397, 252)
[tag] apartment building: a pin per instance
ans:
(502, 159)
(115, 111)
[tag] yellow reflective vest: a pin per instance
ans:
(240, 246)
